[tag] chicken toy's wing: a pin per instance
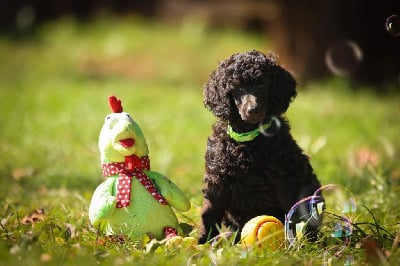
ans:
(171, 192)
(103, 201)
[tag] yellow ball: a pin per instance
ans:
(264, 232)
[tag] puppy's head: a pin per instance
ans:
(250, 85)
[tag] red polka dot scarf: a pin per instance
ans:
(133, 166)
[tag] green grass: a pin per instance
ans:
(53, 90)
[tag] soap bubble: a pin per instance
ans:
(300, 220)
(338, 210)
(25, 17)
(340, 201)
(270, 130)
(326, 217)
(392, 25)
(343, 57)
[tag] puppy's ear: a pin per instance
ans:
(216, 98)
(282, 91)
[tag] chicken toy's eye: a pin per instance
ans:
(109, 120)
(128, 117)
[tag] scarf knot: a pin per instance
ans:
(133, 166)
(132, 163)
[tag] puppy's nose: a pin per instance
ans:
(251, 109)
(250, 104)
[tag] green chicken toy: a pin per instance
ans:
(133, 200)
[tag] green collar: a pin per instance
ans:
(250, 135)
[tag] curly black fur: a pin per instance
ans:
(266, 175)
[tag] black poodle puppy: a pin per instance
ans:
(253, 164)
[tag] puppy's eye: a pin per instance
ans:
(237, 96)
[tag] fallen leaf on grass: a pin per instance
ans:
(20, 173)
(111, 239)
(366, 156)
(34, 217)
(45, 257)
(395, 179)
(375, 255)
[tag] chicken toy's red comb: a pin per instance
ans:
(115, 104)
